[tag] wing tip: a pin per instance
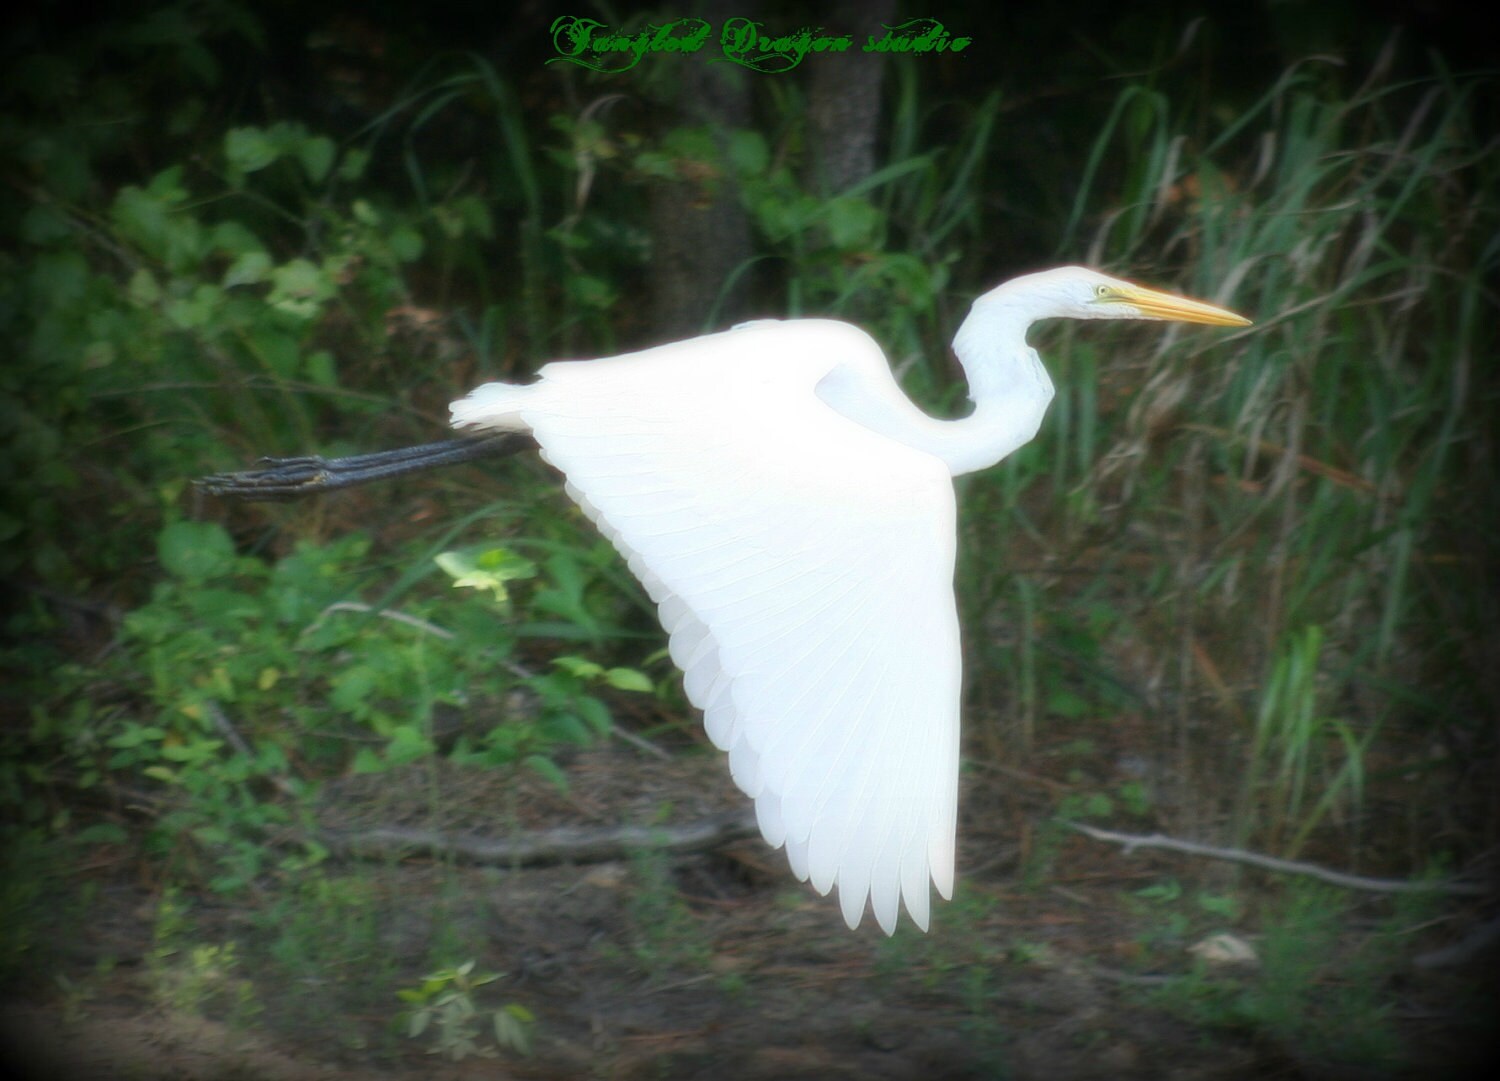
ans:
(887, 913)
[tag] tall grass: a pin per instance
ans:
(1321, 474)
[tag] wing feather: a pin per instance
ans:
(802, 565)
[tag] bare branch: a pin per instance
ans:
(1132, 841)
(563, 845)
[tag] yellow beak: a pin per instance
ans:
(1154, 304)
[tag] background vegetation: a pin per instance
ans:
(1241, 588)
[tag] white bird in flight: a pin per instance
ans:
(791, 513)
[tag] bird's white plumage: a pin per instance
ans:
(803, 566)
(791, 514)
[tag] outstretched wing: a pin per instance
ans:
(803, 566)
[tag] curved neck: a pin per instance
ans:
(1007, 384)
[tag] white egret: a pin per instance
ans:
(792, 515)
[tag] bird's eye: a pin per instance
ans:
(1101, 291)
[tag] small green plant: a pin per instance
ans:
(1165, 923)
(194, 977)
(1318, 993)
(1314, 991)
(445, 1004)
(1168, 917)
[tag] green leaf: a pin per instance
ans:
(1162, 892)
(249, 149)
(596, 713)
(276, 350)
(628, 679)
(248, 268)
(352, 167)
(1222, 905)
(513, 1028)
(195, 551)
(299, 287)
(320, 369)
(567, 728)
(1066, 703)
(316, 154)
(549, 770)
(591, 291)
(853, 223)
(406, 243)
(143, 289)
(352, 686)
(167, 186)
(195, 310)
(134, 735)
(748, 152)
(196, 751)
(367, 761)
(233, 238)
(485, 566)
(579, 666)
(142, 220)
(408, 744)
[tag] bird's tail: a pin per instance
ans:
(493, 407)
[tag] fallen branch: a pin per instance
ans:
(1132, 841)
(384, 613)
(562, 845)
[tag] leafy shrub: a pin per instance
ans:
(254, 679)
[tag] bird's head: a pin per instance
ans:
(1074, 292)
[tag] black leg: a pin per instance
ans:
(293, 478)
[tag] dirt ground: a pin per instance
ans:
(715, 965)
